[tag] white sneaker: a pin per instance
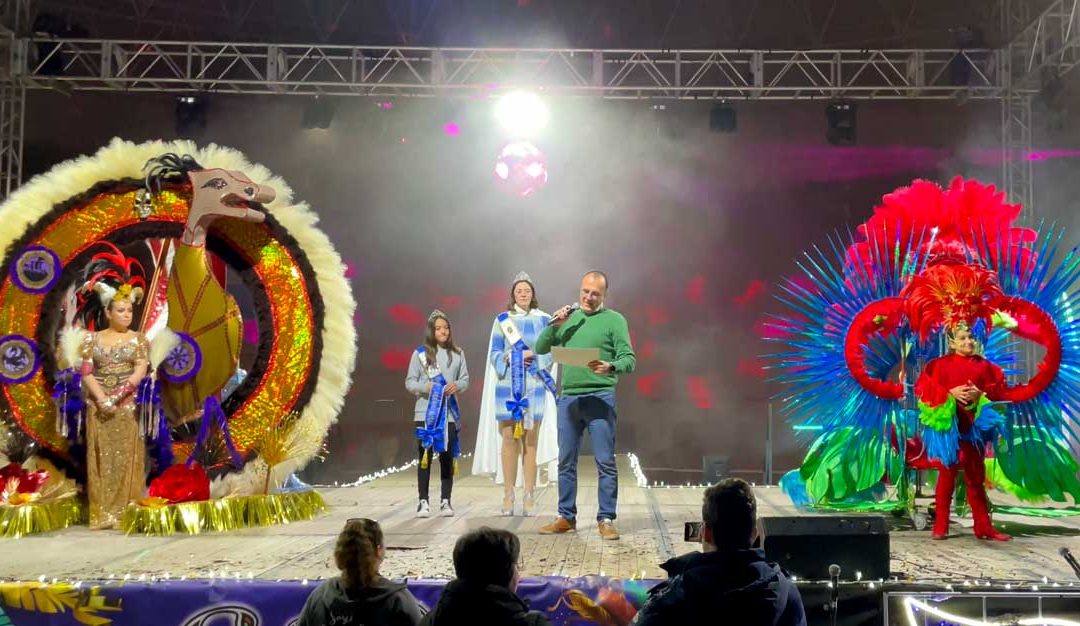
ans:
(423, 509)
(445, 510)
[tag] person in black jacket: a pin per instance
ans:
(730, 581)
(486, 564)
(360, 595)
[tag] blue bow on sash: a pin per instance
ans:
(519, 403)
(433, 434)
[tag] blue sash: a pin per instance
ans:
(433, 434)
(518, 405)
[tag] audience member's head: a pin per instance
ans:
(359, 552)
(729, 513)
(488, 556)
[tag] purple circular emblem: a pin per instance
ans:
(183, 361)
(19, 359)
(36, 269)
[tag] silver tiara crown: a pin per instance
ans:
(436, 313)
(522, 276)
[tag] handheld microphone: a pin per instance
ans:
(1071, 560)
(570, 308)
(834, 592)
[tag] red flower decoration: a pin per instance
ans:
(29, 482)
(181, 483)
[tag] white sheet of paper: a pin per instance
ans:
(579, 357)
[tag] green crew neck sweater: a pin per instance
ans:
(605, 329)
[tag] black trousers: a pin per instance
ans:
(446, 467)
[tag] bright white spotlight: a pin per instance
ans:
(522, 113)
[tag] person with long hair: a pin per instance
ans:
(360, 595)
(114, 360)
(519, 393)
(437, 374)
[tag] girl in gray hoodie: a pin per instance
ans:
(360, 595)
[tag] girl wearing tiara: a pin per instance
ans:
(513, 436)
(437, 374)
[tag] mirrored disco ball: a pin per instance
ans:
(521, 168)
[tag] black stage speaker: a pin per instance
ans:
(713, 468)
(806, 546)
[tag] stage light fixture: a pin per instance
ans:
(522, 113)
(960, 66)
(722, 118)
(318, 113)
(190, 115)
(841, 120)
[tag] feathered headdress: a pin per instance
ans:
(968, 222)
(109, 276)
(948, 295)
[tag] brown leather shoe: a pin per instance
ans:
(607, 530)
(558, 527)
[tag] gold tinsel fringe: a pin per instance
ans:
(223, 514)
(26, 519)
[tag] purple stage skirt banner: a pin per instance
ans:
(578, 601)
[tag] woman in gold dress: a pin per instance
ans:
(114, 360)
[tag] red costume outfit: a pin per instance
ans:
(968, 432)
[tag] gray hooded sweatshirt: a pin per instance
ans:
(384, 603)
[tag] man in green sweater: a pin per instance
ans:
(588, 399)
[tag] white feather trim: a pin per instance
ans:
(161, 345)
(105, 293)
(124, 159)
(71, 340)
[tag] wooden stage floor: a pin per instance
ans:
(650, 520)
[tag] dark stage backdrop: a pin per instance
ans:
(694, 229)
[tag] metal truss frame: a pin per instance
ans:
(1016, 117)
(1040, 51)
(1050, 43)
(14, 16)
(12, 114)
(312, 69)
(1051, 40)
(1016, 175)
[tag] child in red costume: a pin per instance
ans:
(953, 391)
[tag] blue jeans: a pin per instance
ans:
(595, 411)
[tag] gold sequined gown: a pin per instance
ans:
(114, 446)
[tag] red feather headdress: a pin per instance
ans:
(948, 295)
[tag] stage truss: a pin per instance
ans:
(251, 68)
(1049, 44)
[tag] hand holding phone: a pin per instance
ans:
(692, 532)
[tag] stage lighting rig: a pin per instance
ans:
(841, 120)
(190, 115)
(318, 113)
(522, 113)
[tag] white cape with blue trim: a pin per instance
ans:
(486, 456)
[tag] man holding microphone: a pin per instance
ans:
(587, 399)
